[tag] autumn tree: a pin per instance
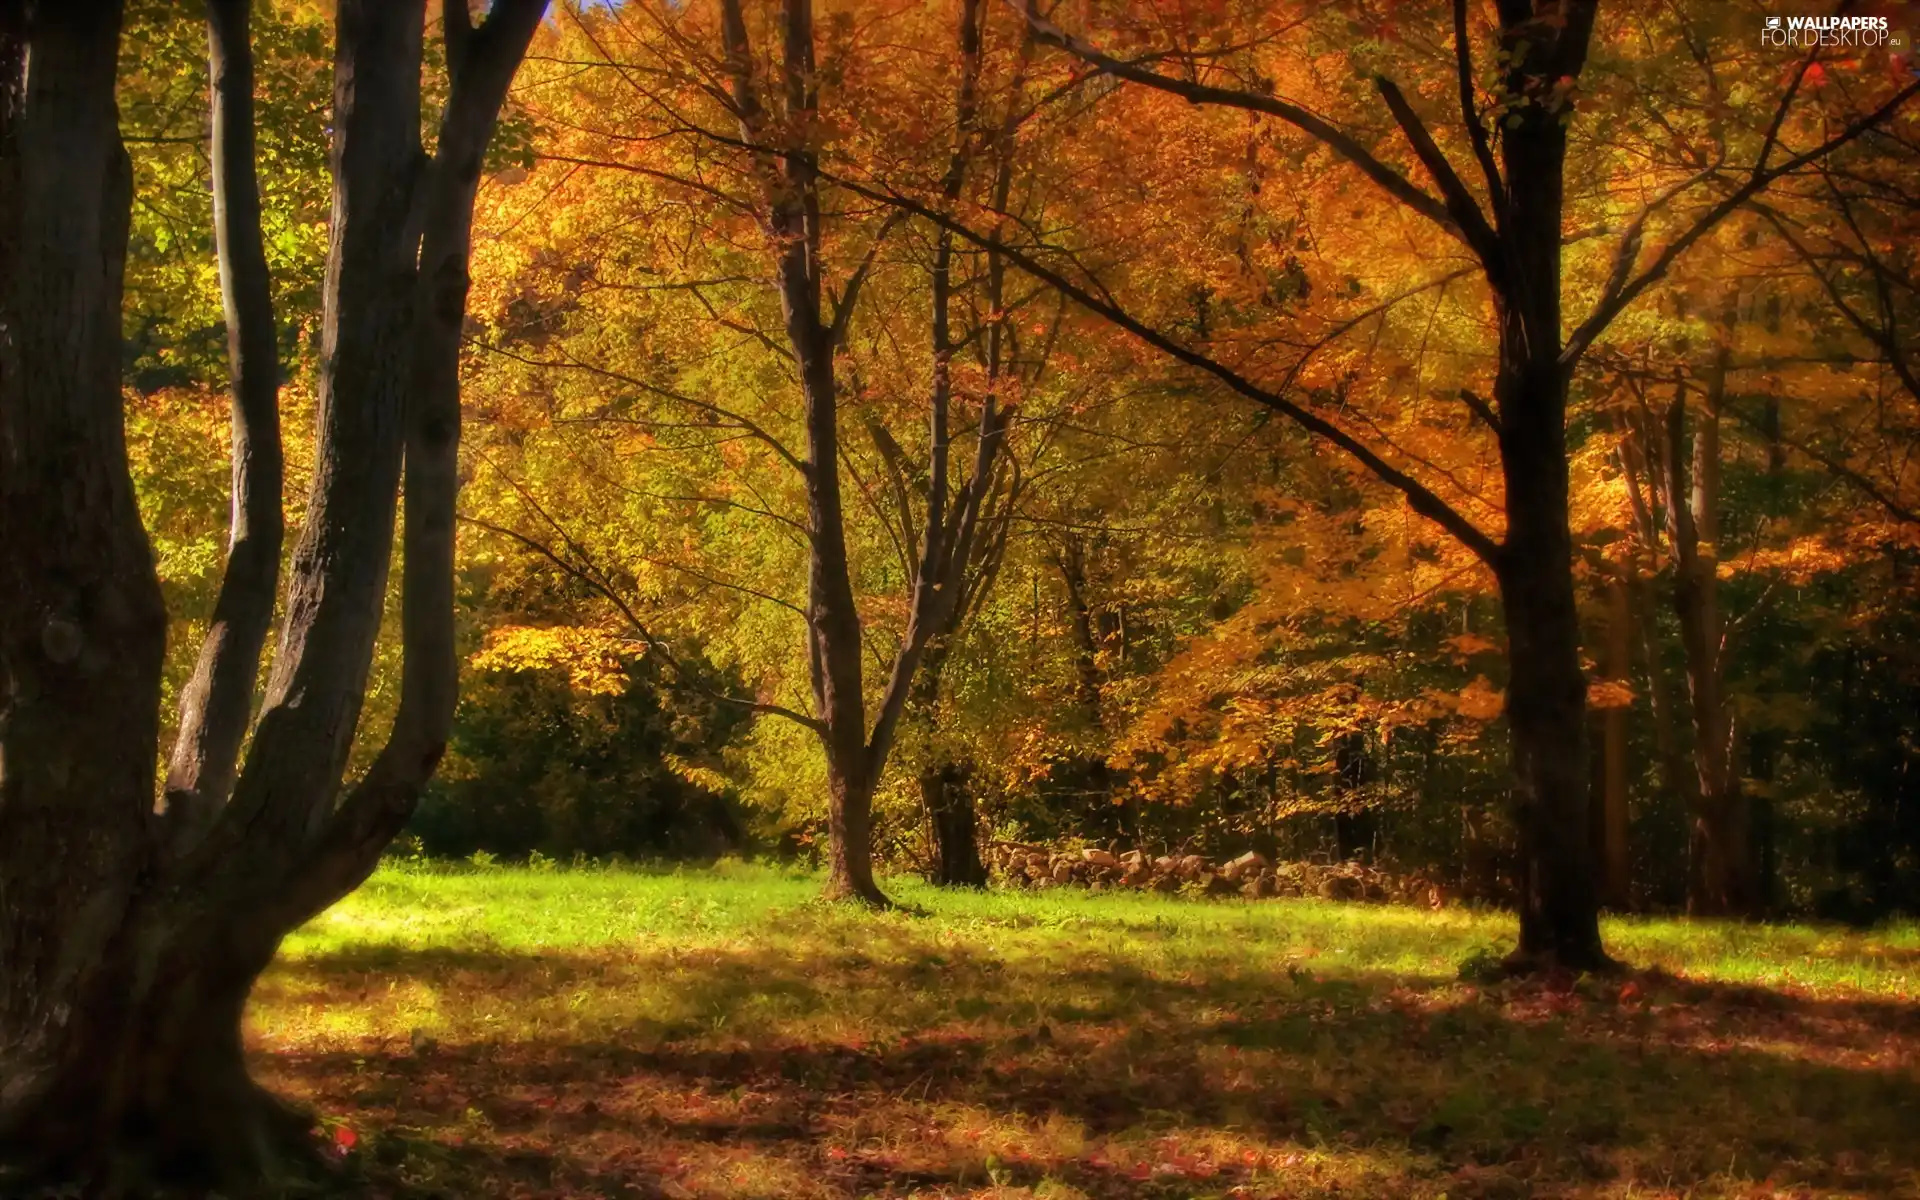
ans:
(135, 925)
(1513, 225)
(791, 413)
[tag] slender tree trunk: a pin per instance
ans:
(1615, 849)
(1071, 559)
(834, 646)
(481, 63)
(217, 702)
(1353, 825)
(1721, 876)
(1637, 455)
(833, 619)
(835, 649)
(944, 791)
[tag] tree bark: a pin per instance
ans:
(944, 789)
(1546, 717)
(482, 63)
(790, 181)
(82, 623)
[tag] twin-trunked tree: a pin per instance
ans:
(135, 919)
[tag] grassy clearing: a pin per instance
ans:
(619, 1033)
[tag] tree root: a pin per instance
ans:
(250, 1143)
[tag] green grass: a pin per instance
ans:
(721, 1033)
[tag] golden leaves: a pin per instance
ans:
(1609, 693)
(1480, 700)
(595, 660)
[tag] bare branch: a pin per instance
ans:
(850, 295)
(1470, 112)
(1462, 208)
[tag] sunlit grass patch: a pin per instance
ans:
(503, 1032)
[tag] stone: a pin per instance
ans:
(1247, 864)
(1341, 887)
(1099, 858)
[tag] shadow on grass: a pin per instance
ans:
(1101, 1066)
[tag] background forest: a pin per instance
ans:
(1097, 596)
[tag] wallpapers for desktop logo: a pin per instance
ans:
(1865, 33)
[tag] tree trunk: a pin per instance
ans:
(1721, 875)
(944, 791)
(82, 623)
(949, 802)
(1089, 638)
(1616, 874)
(1547, 689)
(836, 650)
(1660, 705)
(1546, 717)
(1762, 751)
(850, 832)
(127, 951)
(150, 1085)
(1353, 825)
(834, 646)
(481, 63)
(216, 705)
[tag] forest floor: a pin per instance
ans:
(507, 1032)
